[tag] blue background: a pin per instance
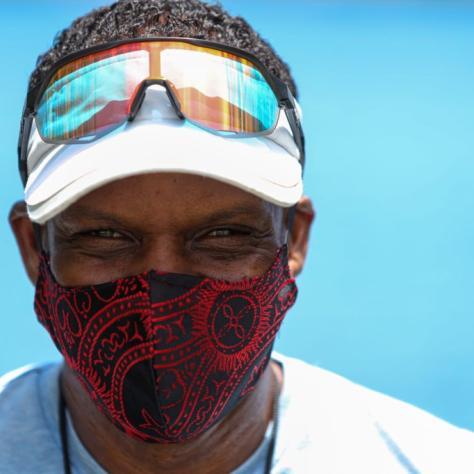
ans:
(387, 91)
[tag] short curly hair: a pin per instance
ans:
(128, 19)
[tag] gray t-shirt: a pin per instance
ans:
(327, 425)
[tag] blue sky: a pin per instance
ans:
(386, 298)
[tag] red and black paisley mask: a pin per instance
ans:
(165, 356)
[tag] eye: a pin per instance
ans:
(104, 234)
(226, 232)
(220, 233)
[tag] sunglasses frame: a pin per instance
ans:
(281, 90)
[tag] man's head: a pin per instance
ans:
(156, 206)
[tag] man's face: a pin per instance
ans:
(168, 222)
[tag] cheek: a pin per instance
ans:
(74, 268)
(70, 270)
(248, 265)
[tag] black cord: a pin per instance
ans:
(271, 446)
(63, 432)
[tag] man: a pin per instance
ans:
(163, 225)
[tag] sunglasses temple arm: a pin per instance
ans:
(298, 135)
(289, 104)
(291, 111)
(24, 135)
(25, 129)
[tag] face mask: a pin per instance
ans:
(165, 356)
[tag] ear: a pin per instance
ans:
(26, 239)
(299, 235)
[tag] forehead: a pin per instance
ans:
(172, 198)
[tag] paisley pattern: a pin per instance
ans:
(165, 356)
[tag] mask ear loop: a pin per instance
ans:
(37, 233)
(291, 218)
(63, 431)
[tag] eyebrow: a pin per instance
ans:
(239, 211)
(84, 212)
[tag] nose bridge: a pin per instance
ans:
(155, 99)
(167, 254)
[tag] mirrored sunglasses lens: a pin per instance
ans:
(90, 96)
(219, 90)
(215, 89)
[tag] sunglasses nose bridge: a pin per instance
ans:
(142, 91)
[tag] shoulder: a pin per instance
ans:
(343, 424)
(27, 419)
(20, 388)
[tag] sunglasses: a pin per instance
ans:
(222, 89)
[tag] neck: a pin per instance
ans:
(220, 449)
